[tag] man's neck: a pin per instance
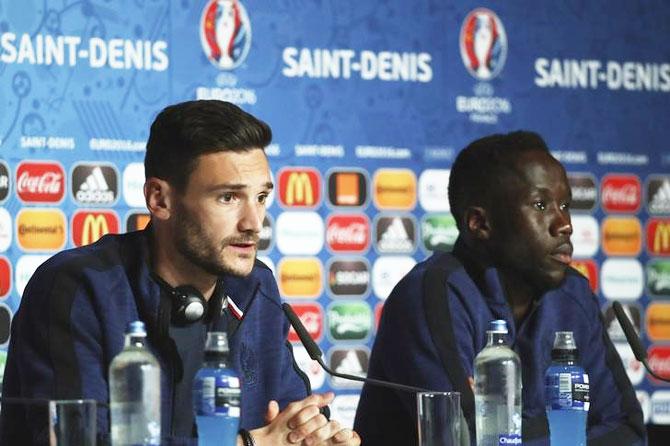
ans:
(521, 296)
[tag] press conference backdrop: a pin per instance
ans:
(369, 102)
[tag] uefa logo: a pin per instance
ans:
(483, 43)
(225, 33)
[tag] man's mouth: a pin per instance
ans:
(563, 253)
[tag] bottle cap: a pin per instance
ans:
(498, 326)
(136, 328)
(217, 341)
(564, 340)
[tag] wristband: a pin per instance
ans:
(247, 439)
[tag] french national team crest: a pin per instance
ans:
(225, 33)
(483, 43)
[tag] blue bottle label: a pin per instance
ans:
(218, 396)
(504, 440)
(567, 389)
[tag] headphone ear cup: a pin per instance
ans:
(189, 305)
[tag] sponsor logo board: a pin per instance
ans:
(622, 236)
(300, 277)
(585, 235)
(634, 369)
(349, 321)
(343, 409)
(658, 236)
(265, 237)
(41, 229)
(5, 229)
(89, 226)
(387, 272)
(315, 373)
(658, 357)
(394, 189)
(5, 276)
(94, 184)
(4, 181)
(40, 182)
(352, 361)
(621, 279)
(658, 277)
(584, 191)
(25, 268)
(589, 269)
(347, 188)
(299, 233)
(433, 188)
(133, 185)
(136, 221)
(438, 232)
(348, 277)
(299, 187)
(5, 323)
(395, 234)
(612, 324)
(658, 321)
(620, 193)
(658, 194)
(311, 316)
(225, 33)
(348, 233)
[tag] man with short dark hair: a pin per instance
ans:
(511, 201)
(193, 270)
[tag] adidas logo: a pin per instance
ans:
(395, 238)
(660, 202)
(95, 189)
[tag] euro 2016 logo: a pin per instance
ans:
(483, 43)
(225, 33)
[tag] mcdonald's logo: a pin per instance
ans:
(658, 236)
(5, 276)
(589, 269)
(300, 187)
(89, 226)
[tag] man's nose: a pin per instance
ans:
(251, 219)
(561, 225)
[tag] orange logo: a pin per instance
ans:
(300, 277)
(622, 236)
(41, 229)
(658, 322)
(137, 221)
(347, 187)
(89, 226)
(394, 189)
(658, 236)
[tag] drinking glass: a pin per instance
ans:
(439, 418)
(72, 422)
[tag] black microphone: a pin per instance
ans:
(633, 339)
(315, 353)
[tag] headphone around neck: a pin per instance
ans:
(188, 303)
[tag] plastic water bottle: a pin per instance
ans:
(135, 392)
(497, 390)
(216, 395)
(567, 393)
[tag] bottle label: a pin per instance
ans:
(504, 440)
(567, 390)
(218, 396)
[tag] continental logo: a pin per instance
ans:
(658, 236)
(89, 226)
(41, 229)
(300, 277)
(300, 187)
(394, 189)
(622, 236)
(136, 221)
(588, 269)
(658, 321)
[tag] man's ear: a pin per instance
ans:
(159, 198)
(478, 222)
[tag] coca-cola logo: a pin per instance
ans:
(621, 193)
(659, 360)
(348, 233)
(40, 182)
(311, 316)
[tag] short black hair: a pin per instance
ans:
(182, 132)
(481, 169)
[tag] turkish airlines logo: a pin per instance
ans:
(622, 236)
(348, 277)
(589, 269)
(300, 187)
(41, 229)
(89, 226)
(136, 221)
(658, 195)
(394, 189)
(584, 191)
(659, 361)
(347, 188)
(300, 277)
(658, 236)
(348, 233)
(40, 182)
(4, 181)
(395, 234)
(621, 193)
(311, 316)
(5, 276)
(94, 184)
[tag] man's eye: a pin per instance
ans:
(227, 197)
(540, 205)
(262, 198)
(565, 206)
